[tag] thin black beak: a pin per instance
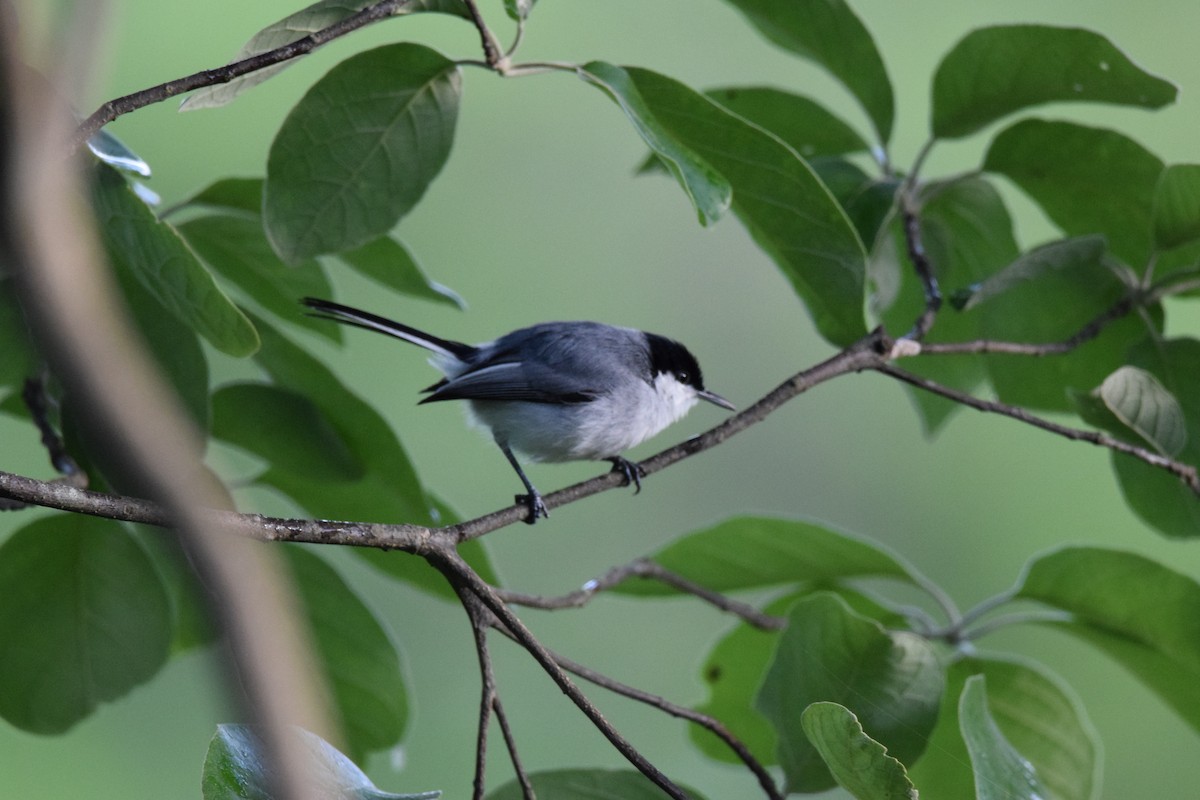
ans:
(715, 399)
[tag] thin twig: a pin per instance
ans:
(715, 726)
(481, 619)
(236, 69)
(460, 575)
(649, 570)
(1088, 332)
(509, 742)
(1185, 472)
(491, 47)
(923, 268)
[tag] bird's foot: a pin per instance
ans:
(632, 471)
(537, 507)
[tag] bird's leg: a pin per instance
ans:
(632, 471)
(533, 501)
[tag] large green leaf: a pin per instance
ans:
(1001, 772)
(1145, 615)
(1087, 180)
(832, 35)
(236, 247)
(587, 784)
(175, 347)
(1065, 254)
(753, 552)
(285, 429)
(995, 71)
(154, 254)
(360, 661)
(359, 150)
(388, 262)
(1157, 496)
(236, 768)
(84, 619)
(733, 672)
(1177, 206)
(1035, 710)
(707, 188)
(777, 196)
(1048, 295)
(388, 492)
(804, 124)
(297, 26)
(890, 680)
(860, 764)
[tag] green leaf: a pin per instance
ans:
(18, 359)
(733, 672)
(359, 150)
(753, 552)
(1177, 206)
(995, 71)
(783, 204)
(369, 439)
(297, 26)
(228, 195)
(587, 784)
(360, 661)
(1155, 495)
(236, 247)
(860, 764)
(1001, 773)
(1067, 288)
(707, 188)
(175, 347)
(830, 34)
(390, 490)
(1065, 254)
(968, 236)
(285, 429)
(1035, 710)
(803, 124)
(1087, 180)
(890, 680)
(156, 256)
(1143, 614)
(235, 768)
(1144, 406)
(868, 202)
(388, 262)
(84, 620)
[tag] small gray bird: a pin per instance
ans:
(558, 391)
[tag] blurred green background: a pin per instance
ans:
(538, 215)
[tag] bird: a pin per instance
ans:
(556, 391)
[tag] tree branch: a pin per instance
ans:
(460, 575)
(1185, 472)
(680, 712)
(112, 109)
(650, 570)
(1089, 331)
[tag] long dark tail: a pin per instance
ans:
(327, 309)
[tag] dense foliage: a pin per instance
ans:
(835, 680)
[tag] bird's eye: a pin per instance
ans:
(683, 376)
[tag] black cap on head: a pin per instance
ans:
(668, 356)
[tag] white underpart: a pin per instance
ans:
(602, 428)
